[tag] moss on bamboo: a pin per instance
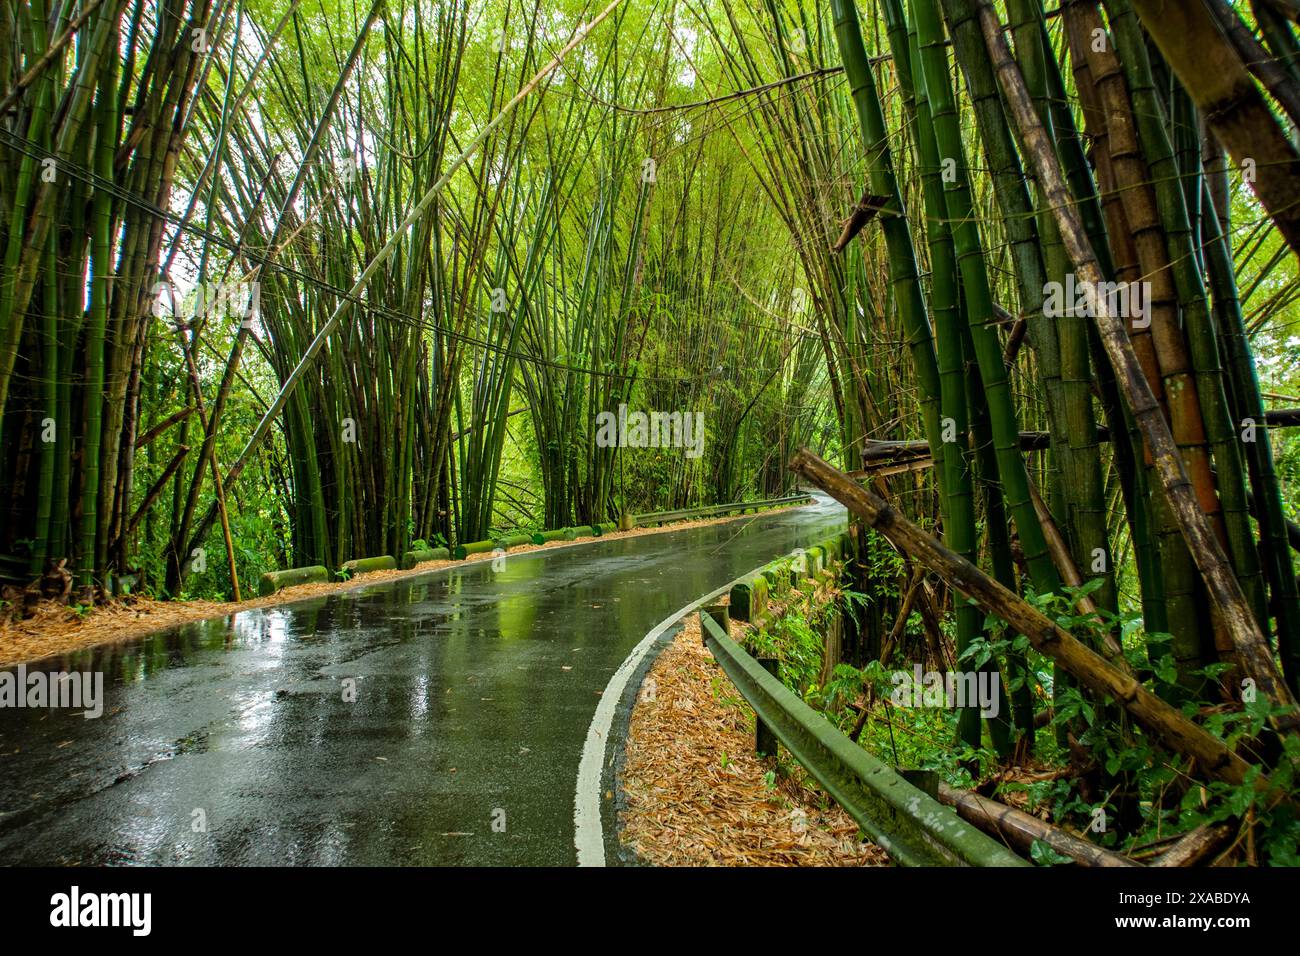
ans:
(412, 558)
(473, 547)
(273, 581)
(559, 534)
(384, 562)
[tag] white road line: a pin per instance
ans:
(588, 832)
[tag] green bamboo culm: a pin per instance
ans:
(978, 296)
(1081, 477)
(903, 270)
(1030, 259)
(52, 429)
(102, 273)
(959, 527)
(1275, 549)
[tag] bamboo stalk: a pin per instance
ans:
(50, 55)
(959, 525)
(1023, 830)
(978, 297)
(417, 212)
(1212, 72)
(155, 490)
(1195, 846)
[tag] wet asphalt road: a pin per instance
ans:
(474, 690)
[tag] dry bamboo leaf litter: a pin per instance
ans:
(696, 792)
(57, 629)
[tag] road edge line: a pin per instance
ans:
(588, 829)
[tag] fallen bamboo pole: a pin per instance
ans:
(163, 425)
(1056, 544)
(156, 489)
(1167, 723)
(1195, 846)
(1022, 829)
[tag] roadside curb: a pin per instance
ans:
(616, 852)
(596, 843)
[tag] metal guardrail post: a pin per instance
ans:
(926, 781)
(911, 826)
(765, 736)
(721, 614)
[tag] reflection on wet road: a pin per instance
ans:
(231, 741)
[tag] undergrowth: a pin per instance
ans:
(1090, 772)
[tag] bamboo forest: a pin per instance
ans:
(652, 433)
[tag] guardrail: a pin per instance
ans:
(910, 825)
(273, 581)
(749, 594)
(708, 511)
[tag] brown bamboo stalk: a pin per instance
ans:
(156, 489)
(1195, 846)
(1181, 389)
(1225, 93)
(172, 419)
(1060, 552)
(904, 612)
(1123, 252)
(1143, 234)
(1138, 198)
(1022, 830)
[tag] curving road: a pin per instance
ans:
(229, 742)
